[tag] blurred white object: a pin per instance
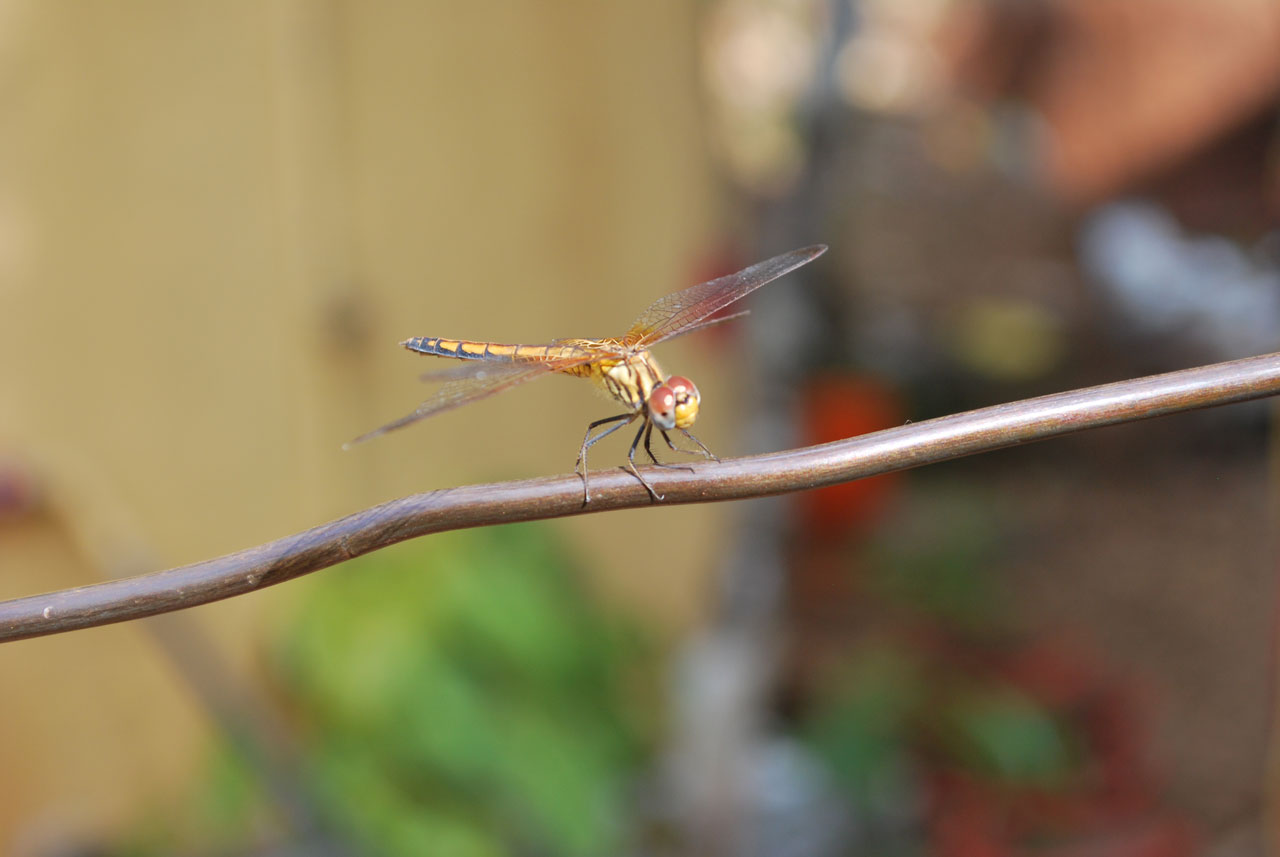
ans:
(736, 788)
(1204, 289)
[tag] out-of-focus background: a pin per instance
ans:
(218, 220)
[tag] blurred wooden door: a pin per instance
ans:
(216, 222)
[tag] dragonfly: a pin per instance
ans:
(622, 367)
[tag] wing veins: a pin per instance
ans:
(680, 312)
(466, 384)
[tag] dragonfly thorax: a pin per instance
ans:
(629, 379)
(636, 380)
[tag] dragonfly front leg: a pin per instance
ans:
(580, 467)
(702, 449)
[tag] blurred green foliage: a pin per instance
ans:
(894, 712)
(864, 731)
(1000, 733)
(467, 692)
(459, 696)
(927, 692)
(940, 569)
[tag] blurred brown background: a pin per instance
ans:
(217, 221)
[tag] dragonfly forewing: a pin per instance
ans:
(680, 312)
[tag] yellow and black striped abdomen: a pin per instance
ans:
(466, 349)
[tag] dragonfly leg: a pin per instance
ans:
(580, 467)
(701, 450)
(648, 437)
(631, 462)
(708, 453)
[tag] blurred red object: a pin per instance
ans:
(835, 407)
(1112, 810)
(1128, 91)
(18, 495)
(974, 823)
(720, 259)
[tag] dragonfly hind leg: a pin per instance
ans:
(580, 467)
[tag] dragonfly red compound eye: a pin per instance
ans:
(687, 400)
(681, 386)
(662, 407)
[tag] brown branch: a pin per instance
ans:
(535, 499)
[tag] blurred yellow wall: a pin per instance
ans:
(217, 220)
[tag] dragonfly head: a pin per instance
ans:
(674, 403)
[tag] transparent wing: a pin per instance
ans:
(464, 372)
(680, 312)
(470, 383)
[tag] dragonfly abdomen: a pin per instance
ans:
(466, 349)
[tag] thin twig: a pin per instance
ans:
(535, 499)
